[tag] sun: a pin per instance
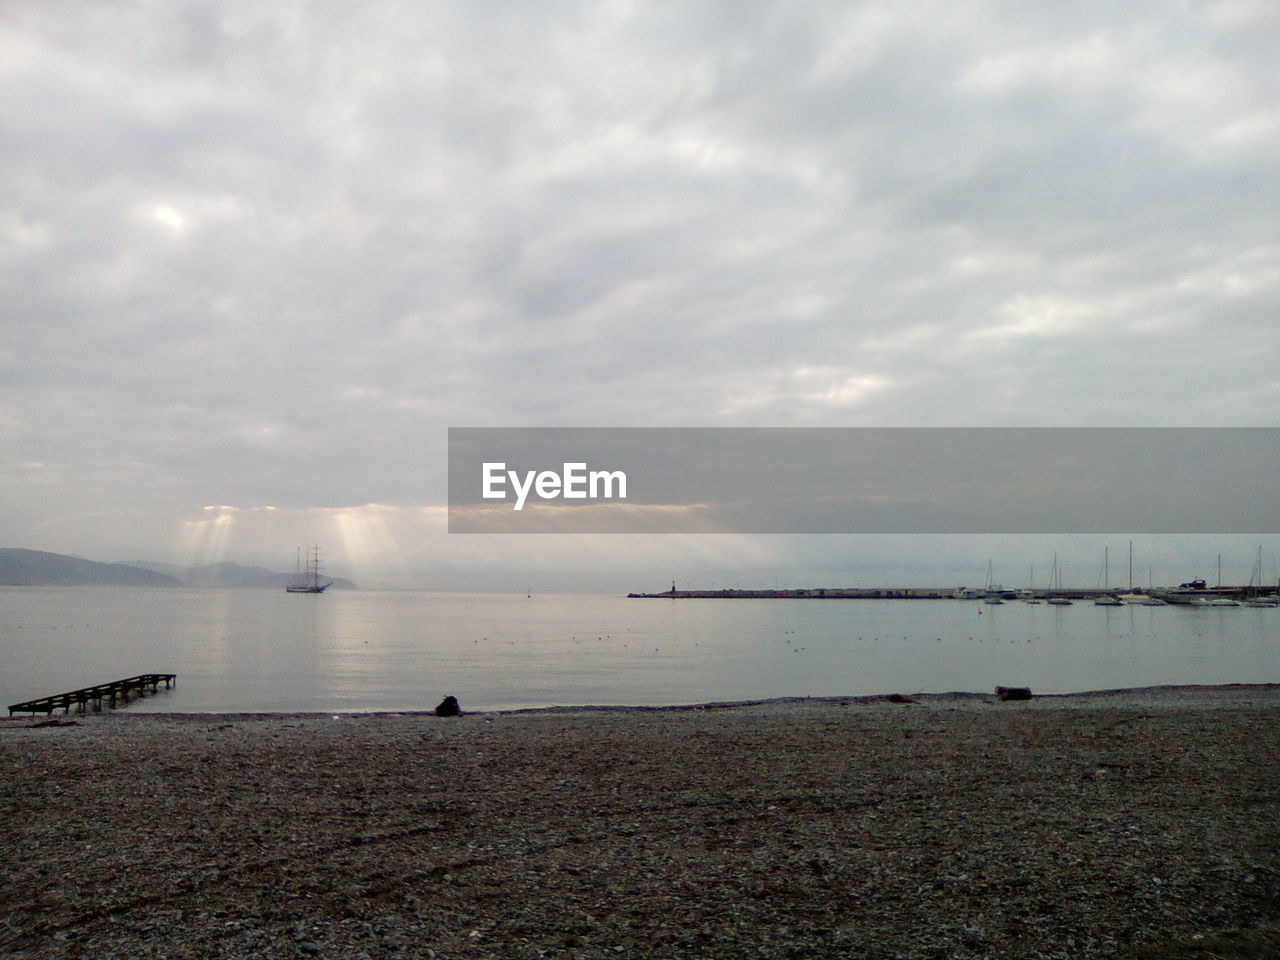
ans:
(170, 217)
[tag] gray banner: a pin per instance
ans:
(864, 480)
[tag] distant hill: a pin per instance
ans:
(37, 568)
(228, 574)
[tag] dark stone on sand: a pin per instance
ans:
(1013, 693)
(448, 707)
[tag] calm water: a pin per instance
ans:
(264, 650)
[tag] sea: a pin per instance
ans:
(248, 651)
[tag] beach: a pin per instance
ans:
(1091, 825)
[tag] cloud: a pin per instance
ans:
(266, 254)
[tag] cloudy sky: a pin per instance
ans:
(255, 259)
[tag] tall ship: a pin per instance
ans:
(307, 579)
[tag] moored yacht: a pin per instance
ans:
(1055, 584)
(1106, 599)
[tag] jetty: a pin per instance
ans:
(1186, 593)
(117, 691)
(810, 593)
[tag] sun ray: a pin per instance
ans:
(204, 541)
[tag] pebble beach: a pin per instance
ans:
(1135, 823)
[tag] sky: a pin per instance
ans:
(256, 259)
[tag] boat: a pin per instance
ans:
(1107, 599)
(1220, 599)
(1055, 584)
(993, 593)
(1197, 593)
(307, 580)
(1191, 594)
(1028, 594)
(1253, 592)
(1135, 594)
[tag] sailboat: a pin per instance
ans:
(1152, 600)
(1255, 587)
(1220, 600)
(308, 580)
(1107, 600)
(1137, 596)
(1029, 594)
(993, 591)
(1055, 583)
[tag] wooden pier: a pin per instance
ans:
(118, 691)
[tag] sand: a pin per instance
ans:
(1095, 825)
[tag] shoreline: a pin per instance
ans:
(1080, 699)
(1078, 826)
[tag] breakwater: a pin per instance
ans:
(810, 593)
(1168, 594)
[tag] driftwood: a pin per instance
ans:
(1013, 693)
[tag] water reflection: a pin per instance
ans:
(249, 650)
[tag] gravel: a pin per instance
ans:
(1094, 825)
